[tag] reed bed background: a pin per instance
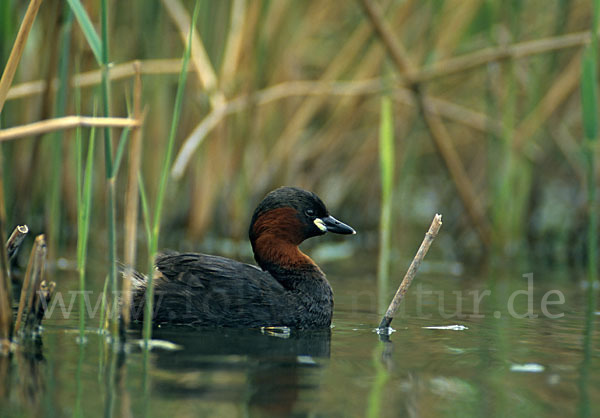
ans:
(486, 111)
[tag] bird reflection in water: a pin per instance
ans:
(270, 372)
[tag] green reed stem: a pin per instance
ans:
(509, 208)
(584, 407)
(166, 167)
(103, 306)
(145, 207)
(386, 162)
(589, 104)
(87, 27)
(108, 162)
(84, 195)
(592, 241)
(57, 142)
(6, 316)
(78, 177)
(100, 49)
(120, 151)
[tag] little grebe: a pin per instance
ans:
(290, 290)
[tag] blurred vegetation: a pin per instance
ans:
(289, 93)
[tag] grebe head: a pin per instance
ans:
(288, 216)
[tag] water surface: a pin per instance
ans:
(464, 346)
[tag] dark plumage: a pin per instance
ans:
(290, 290)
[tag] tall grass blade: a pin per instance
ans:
(153, 241)
(79, 192)
(102, 324)
(589, 94)
(386, 162)
(120, 150)
(589, 98)
(108, 166)
(6, 324)
(87, 28)
(18, 47)
(589, 104)
(145, 209)
(54, 226)
(84, 211)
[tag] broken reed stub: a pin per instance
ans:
(42, 300)
(15, 240)
(31, 283)
(436, 224)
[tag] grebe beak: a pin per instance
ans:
(330, 224)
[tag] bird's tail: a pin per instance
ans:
(138, 280)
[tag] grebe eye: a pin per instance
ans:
(310, 212)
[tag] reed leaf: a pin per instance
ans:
(120, 150)
(84, 207)
(86, 204)
(145, 209)
(54, 226)
(589, 104)
(108, 167)
(102, 324)
(166, 167)
(87, 28)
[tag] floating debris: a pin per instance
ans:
(448, 327)
(280, 332)
(384, 331)
(527, 368)
(456, 350)
(451, 387)
(305, 360)
(160, 344)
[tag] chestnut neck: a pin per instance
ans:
(275, 236)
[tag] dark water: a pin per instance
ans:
(463, 347)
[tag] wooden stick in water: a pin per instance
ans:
(412, 271)
(15, 240)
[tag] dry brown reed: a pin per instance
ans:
(132, 202)
(436, 128)
(307, 118)
(61, 124)
(566, 82)
(485, 56)
(92, 78)
(6, 324)
(15, 240)
(18, 47)
(200, 61)
(437, 70)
